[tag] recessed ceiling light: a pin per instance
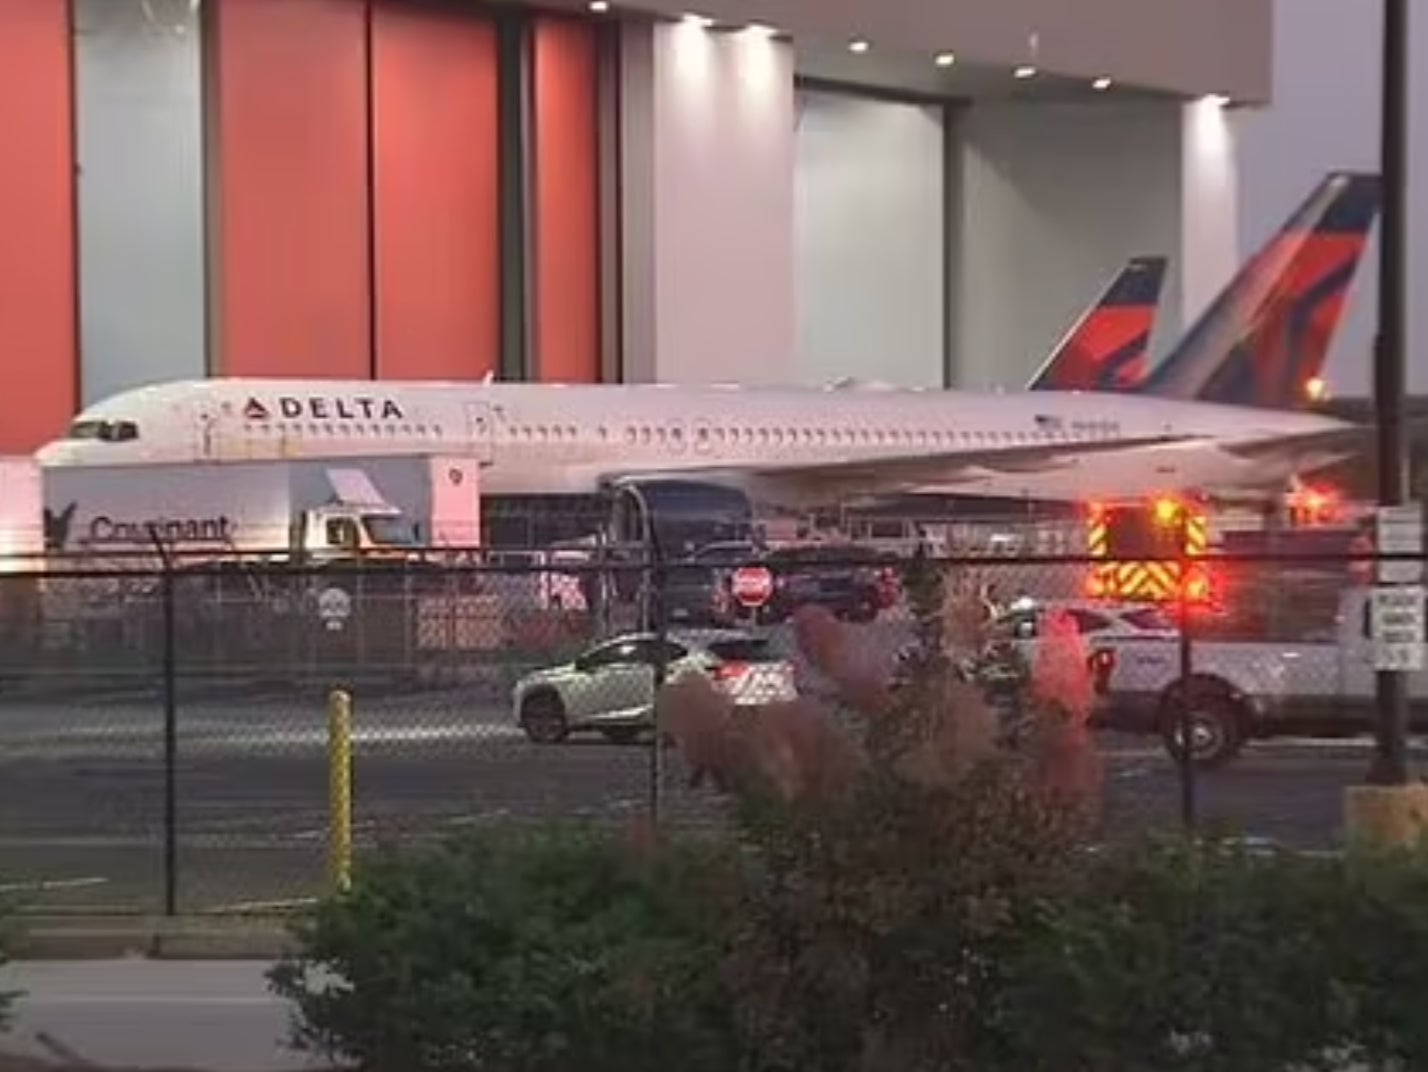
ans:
(945, 59)
(858, 46)
(599, 6)
(1219, 100)
(1026, 71)
(702, 21)
(761, 29)
(1101, 84)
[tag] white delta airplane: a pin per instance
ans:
(789, 447)
(811, 446)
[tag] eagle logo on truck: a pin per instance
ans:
(318, 408)
(57, 527)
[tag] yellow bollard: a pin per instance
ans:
(339, 788)
(1387, 816)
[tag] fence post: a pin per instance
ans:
(339, 789)
(170, 675)
(656, 606)
(1188, 807)
(652, 619)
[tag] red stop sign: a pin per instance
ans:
(752, 585)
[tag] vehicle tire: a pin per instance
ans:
(543, 718)
(1217, 724)
(621, 734)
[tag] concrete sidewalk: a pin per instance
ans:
(213, 1016)
(69, 937)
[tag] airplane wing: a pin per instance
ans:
(1333, 443)
(901, 473)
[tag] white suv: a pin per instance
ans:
(610, 686)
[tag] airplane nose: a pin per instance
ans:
(53, 453)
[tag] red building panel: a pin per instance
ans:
(37, 212)
(437, 247)
(290, 122)
(567, 202)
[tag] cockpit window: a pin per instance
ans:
(105, 431)
(86, 430)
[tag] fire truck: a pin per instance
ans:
(1143, 550)
(1147, 551)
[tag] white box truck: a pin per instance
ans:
(304, 510)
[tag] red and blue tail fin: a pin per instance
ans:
(1263, 342)
(1109, 347)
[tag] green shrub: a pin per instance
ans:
(534, 951)
(867, 934)
(1211, 957)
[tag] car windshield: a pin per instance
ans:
(830, 554)
(1151, 619)
(1026, 623)
(742, 650)
(388, 531)
(725, 553)
(1131, 534)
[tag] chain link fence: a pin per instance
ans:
(164, 733)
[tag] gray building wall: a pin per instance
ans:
(870, 223)
(1054, 199)
(141, 262)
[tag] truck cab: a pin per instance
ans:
(342, 531)
(1319, 682)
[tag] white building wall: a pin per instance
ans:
(1054, 199)
(870, 240)
(1209, 220)
(708, 205)
(1325, 116)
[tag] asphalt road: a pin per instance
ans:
(82, 790)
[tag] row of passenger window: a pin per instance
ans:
(780, 436)
(702, 435)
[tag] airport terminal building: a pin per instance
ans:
(923, 192)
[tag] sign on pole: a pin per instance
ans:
(752, 586)
(1400, 532)
(1398, 627)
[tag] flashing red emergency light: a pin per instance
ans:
(1313, 506)
(1197, 587)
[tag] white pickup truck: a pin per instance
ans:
(1319, 684)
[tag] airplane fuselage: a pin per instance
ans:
(556, 439)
